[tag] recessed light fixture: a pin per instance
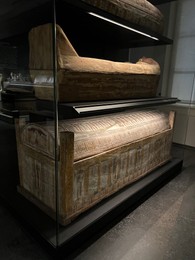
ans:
(122, 25)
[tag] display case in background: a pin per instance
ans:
(61, 198)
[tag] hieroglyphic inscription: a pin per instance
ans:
(39, 180)
(93, 179)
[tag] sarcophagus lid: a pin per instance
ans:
(94, 135)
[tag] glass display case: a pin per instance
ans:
(18, 102)
(86, 138)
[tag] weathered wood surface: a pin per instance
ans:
(100, 176)
(84, 182)
(84, 78)
(139, 12)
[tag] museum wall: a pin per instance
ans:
(182, 73)
(177, 63)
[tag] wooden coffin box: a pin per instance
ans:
(83, 78)
(97, 156)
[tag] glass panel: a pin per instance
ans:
(27, 133)
(61, 169)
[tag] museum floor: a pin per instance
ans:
(162, 227)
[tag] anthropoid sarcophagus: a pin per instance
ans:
(83, 78)
(97, 156)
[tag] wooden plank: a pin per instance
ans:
(66, 173)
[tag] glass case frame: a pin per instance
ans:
(57, 238)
